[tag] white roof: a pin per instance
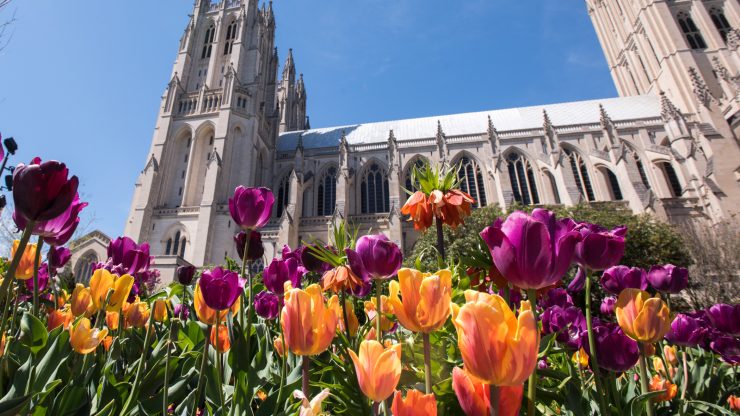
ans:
(523, 118)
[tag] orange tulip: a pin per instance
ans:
(224, 343)
(354, 323)
(58, 318)
(415, 404)
(102, 281)
(657, 384)
(111, 320)
(732, 401)
(85, 339)
(312, 407)
(81, 301)
(420, 210)
(496, 347)
(278, 344)
(426, 299)
(378, 369)
(2, 345)
(107, 341)
(24, 271)
(660, 368)
(475, 397)
(308, 324)
(580, 358)
(371, 312)
(160, 310)
(137, 314)
(62, 298)
(670, 355)
(339, 279)
(206, 314)
(641, 317)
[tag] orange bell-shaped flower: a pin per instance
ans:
(371, 311)
(378, 369)
(657, 383)
(426, 299)
(24, 271)
(419, 209)
(102, 281)
(308, 324)
(160, 310)
(137, 314)
(416, 403)
(85, 339)
(641, 317)
(111, 320)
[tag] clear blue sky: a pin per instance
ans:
(80, 81)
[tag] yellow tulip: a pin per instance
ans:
(83, 338)
(111, 319)
(81, 301)
(24, 271)
(580, 358)
(59, 317)
(308, 324)
(378, 369)
(160, 310)
(352, 320)
(102, 281)
(206, 314)
(497, 347)
(641, 317)
(426, 299)
(137, 314)
(371, 312)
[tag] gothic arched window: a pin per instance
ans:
(374, 190)
(182, 246)
(168, 247)
(208, 42)
(553, 186)
(230, 36)
(720, 22)
(691, 31)
(640, 167)
(418, 164)
(674, 185)
(283, 195)
(522, 179)
(327, 192)
(613, 183)
(580, 173)
(471, 180)
(84, 268)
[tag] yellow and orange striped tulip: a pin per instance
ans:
(308, 324)
(641, 317)
(160, 310)
(24, 271)
(426, 299)
(371, 310)
(102, 281)
(59, 317)
(111, 320)
(378, 369)
(352, 320)
(137, 314)
(81, 301)
(85, 339)
(416, 403)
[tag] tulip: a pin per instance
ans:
(2, 345)
(102, 281)
(59, 318)
(251, 208)
(599, 248)
(657, 384)
(354, 261)
(452, 206)
(206, 314)
(137, 314)
(734, 403)
(312, 407)
(220, 288)
(579, 281)
(642, 318)
(313, 263)
(378, 369)
(353, 323)
(42, 191)
(277, 343)
(686, 331)
(426, 299)
(580, 358)
(617, 278)
(340, 279)
(556, 297)
(85, 339)
(725, 318)
(107, 342)
(111, 320)
(416, 403)
(27, 263)
(182, 312)
(185, 274)
(371, 311)
(42, 278)
(81, 301)
(475, 397)
(267, 305)
(668, 278)
(607, 305)
(670, 355)
(58, 230)
(568, 322)
(489, 333)
(58, 257)
(221, 342)
(727, 347)
(160, 310)
(255, 248)
(281, 271)
(616, 351)
(381, 257)
(308, 324)
(419, 209)
(532, 251)
(128, 257)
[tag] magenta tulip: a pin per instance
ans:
(267, 305)
(617, 278)
(281, 271)
(727, 347)
(615, 351)
(668, 278)
(380, 256)
(725, 318)
(255, 251)
(532, 251)
(220, 288)
(56, 231)
(607, 305)
(42, 191)
(251, 208)
(686, 331)
(599, 248)
(43, 278)
(59, 256)
(125, 256)
(185, 274)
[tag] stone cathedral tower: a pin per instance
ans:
(217, 127)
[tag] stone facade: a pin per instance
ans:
(667, 145)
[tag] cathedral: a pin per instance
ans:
(232, 116)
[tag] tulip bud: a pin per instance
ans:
(255, 249)
(185, 274)
(251, 208)
(220, 342)
(27, 262)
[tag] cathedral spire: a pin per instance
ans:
(289, 68)
(441, 143)
(668, 111)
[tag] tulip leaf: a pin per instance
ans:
(637, 404)
(12, 407)
(54, 358)
(33, 333)
(720, 409)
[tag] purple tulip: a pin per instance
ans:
(267, 305)
(58, 230)
(728, 348)
(615, 351)
(41, 191)
(125, 256)
(58, 257)
(181, 311)
(255, 250)
(617, 278)
(145, 281)
(579, 281)
(43, 278)
(380, 256)
(220, 288)
(725, 318)
(607, 305)
(668, 278)
(185, 274)
(532, 251)
(567, 322)
(599, 248)
(251, 208)
(686, 331)
(556, 297)
(543, 364)
(354, 261)
(281, 271)
(313, 263)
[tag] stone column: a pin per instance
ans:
(395, 229)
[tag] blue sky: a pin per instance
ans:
(81, 81)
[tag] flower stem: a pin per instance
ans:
(36, 264)
(219, 371)
(202, 372)
(244, 276)
(685, 374)
(532, 384)
(306, 374)
(376, 408)
(10, 274)
(440, 240)
(282, 370)
(644, 380)
(427, 363)
(379, 310)
(343, 297)
(495, 398)
(592, 347)
(142, 363)
(165, 388)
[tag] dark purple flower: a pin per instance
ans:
(599, 248)
(220, 288)
(725, 318)
(146, 281)
(668, 278)
(579, 281)
(556, 297)
(607, 305)
(267, 305)
(532, 251)
(281, 271)
(185, 274)
(543, 364)
(568, 322)
(312, 263)
(181, 311)
(358, 268)
(515, 297)
(615, 351)
(380, 256)
(43, 278)
(616, 279)
(42, 191)
(58, 257)
(727, 347)
(58, 230)
(686, 331)
(255, 249)
(251, 208)
(128, 257)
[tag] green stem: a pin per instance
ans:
(10, 274)
(201, 374)
(36, 264)
(219, 371)
(244, 276)
(495, 398)
(592, 347)
(378, 310)
(165, 389)
(142, 364)
(343, 297)
(685, 374)
(644, 380)
(427, 363)
(532, 385)
(282, 370)
(440, 241)
(615, 391)
(306, 368)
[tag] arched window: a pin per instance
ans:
(168, 248)
(283, 195)
(553, 186)
(720, 22)
(674, 185)
(614, 189)
(471, 180)
(522, 179)
(208, 42)
(230, 36)
(182, 247)
(84, 268)
(640, 167)
(327, 192)
(177, 243)
(691, 31)
(374, 190)
(580, 173)
(418, 164)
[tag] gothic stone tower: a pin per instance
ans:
(217, 127)
(687, 51)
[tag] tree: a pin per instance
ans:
(5, 25)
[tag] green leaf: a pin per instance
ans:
(720, 409)
(637, 404)
(33, 333)
(12, 407)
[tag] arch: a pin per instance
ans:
(470, 176)
(84, 267)
(720, 21)
(176, 240)
(611, 183)
(690, 30)
(522, 178)
(326, 191)
(671, 177)
(283, 195)
(580, 173)
(638, 163)
(208, 41)
(198, 166)
(374, 192)
(418, 161)
(179, 161)
(553, 186)
(230, 37)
